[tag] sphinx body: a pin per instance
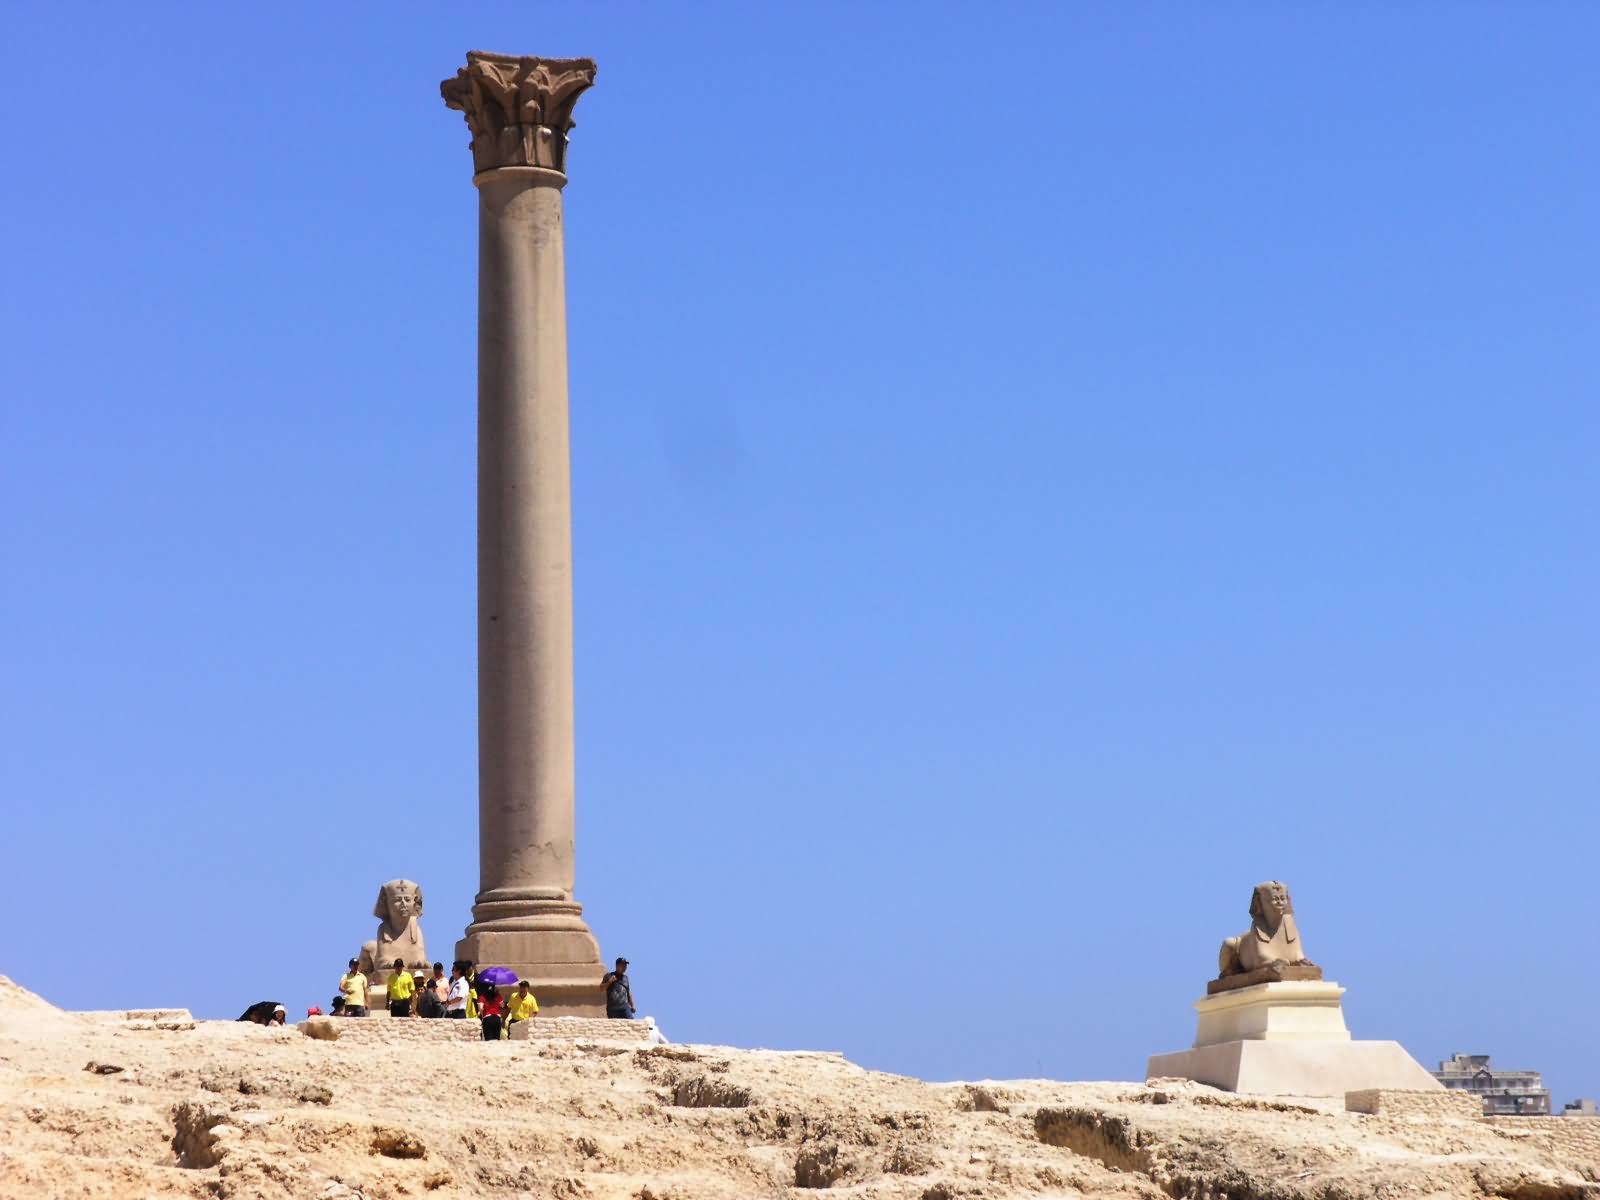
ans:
(1272, 943)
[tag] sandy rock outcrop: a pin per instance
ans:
(323, 1029)
(225, 1109)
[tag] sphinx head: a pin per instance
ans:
(399, 901)
(1270, 904)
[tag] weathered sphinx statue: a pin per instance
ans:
(1270, 950)
(399, 936)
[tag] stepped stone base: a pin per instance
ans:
(1296, 1068)
(1287, 1038)
(382, 1028)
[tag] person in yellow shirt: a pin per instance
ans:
(354, 987)
(401, 988)
(523, 1006)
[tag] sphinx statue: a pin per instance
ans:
(1271, 1025)
(1270, 950)
(399, 936)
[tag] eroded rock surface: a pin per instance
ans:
(608, 1122)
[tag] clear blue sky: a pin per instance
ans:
(1039, 469)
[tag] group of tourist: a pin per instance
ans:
(466, 994)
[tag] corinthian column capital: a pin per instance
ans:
(519, 109)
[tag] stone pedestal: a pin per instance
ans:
(1295, 1068)
(525, 917)
(1273, 1012)
(1286, 1039)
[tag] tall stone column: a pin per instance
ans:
(519, 111)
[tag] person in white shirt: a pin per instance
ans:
(455, 1004)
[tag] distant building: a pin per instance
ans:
(1504, 1093)
(1581, 1108)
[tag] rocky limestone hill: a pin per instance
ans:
(153, 1105)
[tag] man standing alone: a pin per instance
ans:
(354, 987)
(619, 995)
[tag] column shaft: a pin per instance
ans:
(525, 695)
(519, 110)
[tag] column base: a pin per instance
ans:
(546, 942)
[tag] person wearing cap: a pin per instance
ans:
(401, 988)
(619, 994)
(280, 1016)
(354, 987)
(523, 1006)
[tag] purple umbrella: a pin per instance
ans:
(499, 976)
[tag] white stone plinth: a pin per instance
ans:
(1296, 1068)
(1294, 1010)
(1287, 1039)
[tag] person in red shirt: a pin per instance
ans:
(492, 1008)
